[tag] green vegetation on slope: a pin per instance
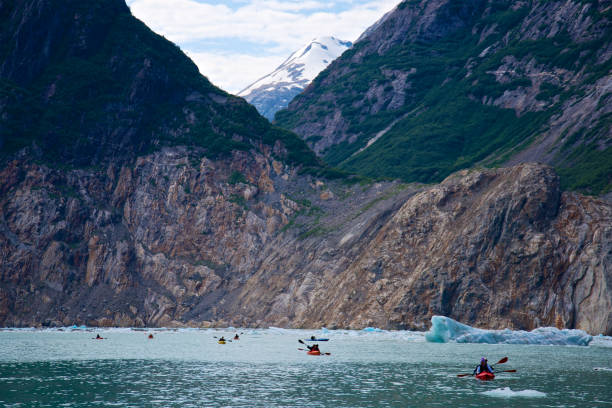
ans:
(128, 93)
(448, 119)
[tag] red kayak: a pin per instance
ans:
(314, 353)
(485, 376)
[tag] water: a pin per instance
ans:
(187, 368)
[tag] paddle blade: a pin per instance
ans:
(327, 354)
(463, 375)
(502, 361)
(508, 371)
(300, 341)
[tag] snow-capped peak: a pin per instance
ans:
(295, 73)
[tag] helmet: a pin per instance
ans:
(482, 360)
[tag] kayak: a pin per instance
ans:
(316, 339)
(221, 342)
(485, 376)
(314, 353)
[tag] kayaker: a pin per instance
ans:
(313, 338)
(222, 338)
(483, 367)
(314, 347)
(150, 336)
(236, 337)
(98, 337)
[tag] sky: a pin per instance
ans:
(236, 42)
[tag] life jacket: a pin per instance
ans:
(484, 367)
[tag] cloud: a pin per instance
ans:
(234, 72)
(282, 26)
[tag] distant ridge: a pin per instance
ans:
(274, 91)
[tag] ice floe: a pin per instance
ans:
(373, 330)
(506, 392)
(444, 329)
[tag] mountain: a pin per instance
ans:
(275, 90)
(83, 83)
(134, 193)
(442, 85)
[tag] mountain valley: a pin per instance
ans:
(134, 193)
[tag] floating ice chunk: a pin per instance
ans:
(372, 330)
(508, 393)
(444, 329)
(602, 341)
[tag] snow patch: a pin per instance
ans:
(303, 65)
(444, 329)
(508, 393)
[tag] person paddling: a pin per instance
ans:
(483, 367)
(314, 347)
(98, 337)
(313, 338)
(236, 337)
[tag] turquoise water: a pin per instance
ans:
(187, 368)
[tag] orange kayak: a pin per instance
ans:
(485, 376)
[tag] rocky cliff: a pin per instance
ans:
(437, 86)
(184, 240)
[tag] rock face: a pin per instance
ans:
(437, 86)
(248, 241)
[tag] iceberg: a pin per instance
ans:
(373, 330)
(444, 329)
(509, 393)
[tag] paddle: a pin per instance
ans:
(502, 361)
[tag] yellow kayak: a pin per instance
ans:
(221, 342)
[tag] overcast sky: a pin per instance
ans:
(235, 42)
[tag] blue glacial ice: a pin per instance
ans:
(372, 330)
(444, 329)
